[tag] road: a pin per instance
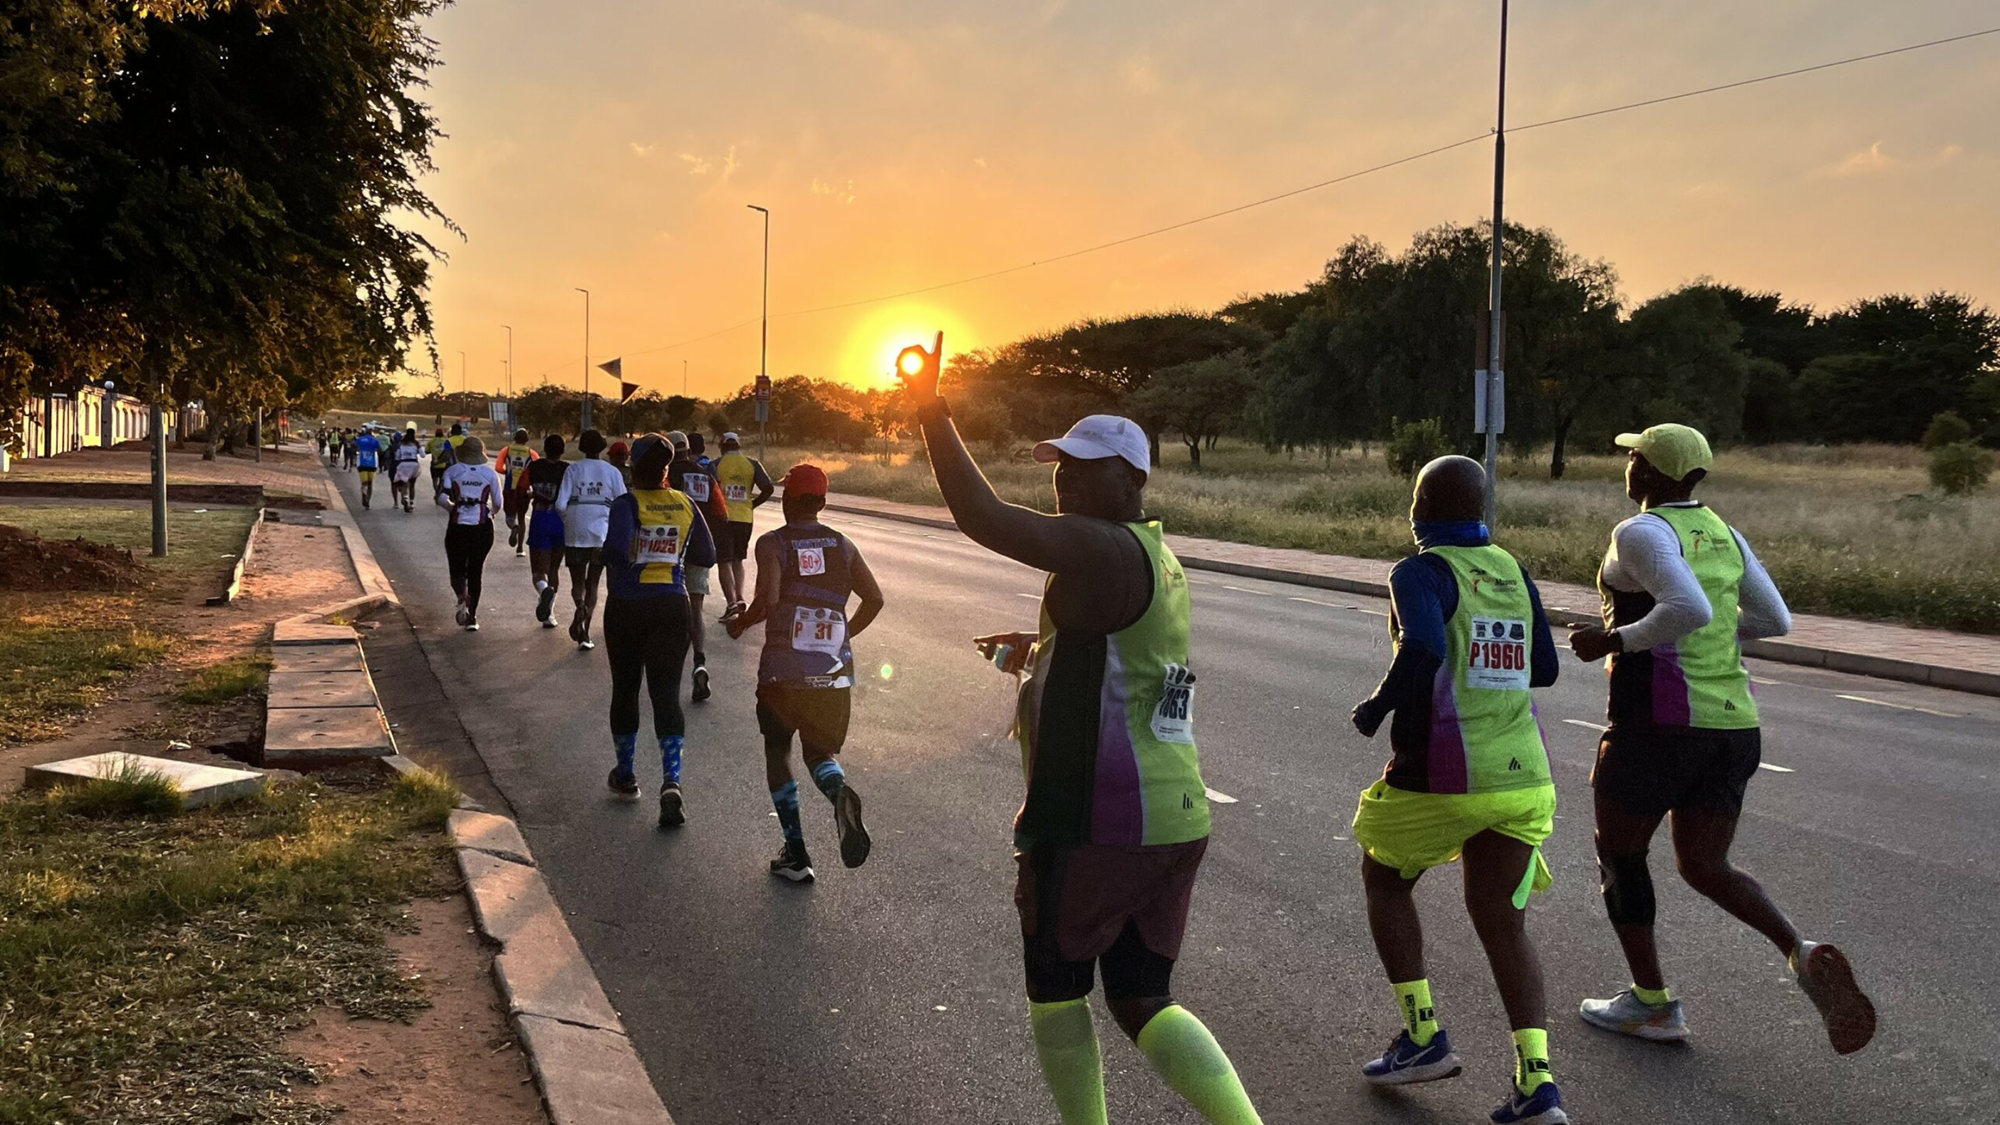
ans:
(893, 993)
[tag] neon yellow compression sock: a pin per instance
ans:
(1066, 1043)
(1657, 997)
(1413, 998)
(1192, 1062)
(1531, 1058)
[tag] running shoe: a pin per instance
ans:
(576, 629)
(1626, 1014)
(1828, 980)
(700, 693)
(1405, 1063)
(1543, 1107)
(735, 610)
(545, 606)
(623, 783)
(854, 842)
(793, 863)
(671, 813)
(462, 615)
(471, 623)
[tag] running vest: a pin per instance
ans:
(1483, 736)
(805, 637)
(1698, 681)
(738, 475)
(544, 480)
(437, 448)
(406, 452)
(661, 537)
(1106, 725)
(517, 459)
(469, 508)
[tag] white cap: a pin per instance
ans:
(1100, 436)
(677, 439)
(729, 437)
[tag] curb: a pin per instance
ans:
(235, 586)
(1778, 651)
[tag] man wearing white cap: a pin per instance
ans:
(1115, 824)
(739, 474)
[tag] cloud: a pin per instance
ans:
(729, 163)
(1949, 153)
(1870, 159)
(833, 191)
(642, 151)
(696, 165)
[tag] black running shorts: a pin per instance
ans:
(1652, 772)
(735, 545)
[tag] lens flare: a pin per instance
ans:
(888, 671)
(911, 362)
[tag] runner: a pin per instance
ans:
(698, 483)
(583, 499)
(806, 572)
(652, 537)
(545, 528)
(404, 456)
(472, 496)
(619, 457)
(367, 451)
(738, 474)
(512, 464)
(347, 449)
(1468, 777)
(440, 449)
(1112, 833)
(1680, 587)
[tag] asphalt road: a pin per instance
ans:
(893, 993)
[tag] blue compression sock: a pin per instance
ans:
(670, 758)
(785, 798)
(627, 745)
(829, 777)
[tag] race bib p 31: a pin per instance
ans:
(819, 630)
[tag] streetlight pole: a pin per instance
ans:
(1493, 419)
(510, 359)
(461, 371)
(684, 378)
(586, 355)
(764, 350)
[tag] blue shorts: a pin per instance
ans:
(545, 532)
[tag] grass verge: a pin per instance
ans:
(202, 544)
(62, 654)
(228, 679)
(150, 968)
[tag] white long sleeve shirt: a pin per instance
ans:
(584, 500)
(471, 493)
(1645, 555)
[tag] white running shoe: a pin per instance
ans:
(1626, 1014)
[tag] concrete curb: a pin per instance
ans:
(235, 586)
(1779, 651)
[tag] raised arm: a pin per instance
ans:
(762, 481)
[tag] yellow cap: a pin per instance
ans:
(1672, 448)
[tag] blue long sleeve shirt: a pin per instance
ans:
(622, 576)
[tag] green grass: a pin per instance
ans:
(425, 796)
(230, 679)
(200, 544)
(151, 968)
(131, 791)
(1847, 531)
(62, 654)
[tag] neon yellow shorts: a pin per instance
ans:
(1414, 832)
(366, 475)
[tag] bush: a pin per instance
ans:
(1946, 428)
(1960, 467)
(1412, 445)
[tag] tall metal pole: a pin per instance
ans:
(684, 378)
(586, 355)
(159, 472)
(1496, 376)
(461, 372)
(510, 359)
(260, 435)
(764, 350)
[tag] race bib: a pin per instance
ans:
(819, 630)
(658, 545)
(736, 493)
(1498, 658)
(812, 560)
(696, 487)
(1173, 717)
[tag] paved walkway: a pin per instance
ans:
(1950, 660)
(290, 471)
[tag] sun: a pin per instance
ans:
(877, 339)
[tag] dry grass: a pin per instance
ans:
(1849, 530)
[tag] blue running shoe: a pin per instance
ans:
(1405, 1062)
(1543, 1107)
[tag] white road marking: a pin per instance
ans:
(1899, 706)
(1219, 797)
(1762, 680)
(1030, 597)
(1371, 612)
(1241, 590)
(1316, 601)
(1775, 769)
(1599, 727)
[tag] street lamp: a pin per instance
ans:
(510, 359)
(764, 350)
(461, 372)
(586, 355)
(1491, 399)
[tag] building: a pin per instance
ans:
(95, 417)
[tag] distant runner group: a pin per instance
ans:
(1114, 827)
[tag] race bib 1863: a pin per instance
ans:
(1498, 657)
(1173, 716)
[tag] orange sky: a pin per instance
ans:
(901, 143)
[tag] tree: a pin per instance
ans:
(1895, 363)
(1196, 400)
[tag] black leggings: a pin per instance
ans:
(647, 638)
(465, 548)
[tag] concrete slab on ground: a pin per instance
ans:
(497, 836)
(541, 969)
(199, 785)
(309, 633)
(291, 690)
(342, 657)
(589, 1076)
(325, 734)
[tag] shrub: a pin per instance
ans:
(1412, 445)
(1946, 428)
(1960, 467)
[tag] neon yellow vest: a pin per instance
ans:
(1698, 681)
(660, 540)
(1484, 737)
(518, 457)
(738, 474)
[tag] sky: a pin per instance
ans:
(616, 145)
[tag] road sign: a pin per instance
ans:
(763, 389)
(496, 410)
(763, 411)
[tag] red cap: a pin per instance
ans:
(617, 447)
(806, 480)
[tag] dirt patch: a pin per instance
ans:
(457, 1062)
(35, 563)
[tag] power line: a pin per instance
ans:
(1382, 167)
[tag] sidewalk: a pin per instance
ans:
(291, 471)
(1957, 661)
